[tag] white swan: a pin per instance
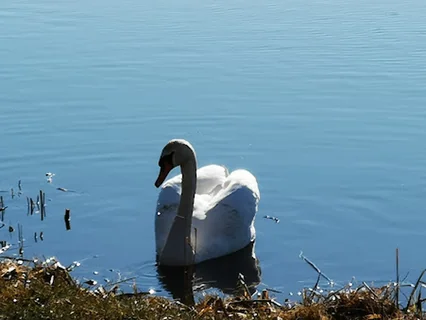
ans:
(202, 214)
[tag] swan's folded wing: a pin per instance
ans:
(227, 224)
(239, 192)
(210, 177)
(169, 196)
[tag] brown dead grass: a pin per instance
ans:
(40, 290)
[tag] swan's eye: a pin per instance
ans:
(168, 159)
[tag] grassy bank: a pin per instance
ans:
(46, 290)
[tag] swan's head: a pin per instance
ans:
(175, 153)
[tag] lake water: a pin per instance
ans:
(323, 101)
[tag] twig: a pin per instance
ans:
(371, 290)
(314, 288)
(2, 208)
(41, 205)
(21, 239)
(15, 259)
(397, 279)
(256, 301)
(419, 301)
(67, 219)
(121, 281)
(414, 289)
(28, 206)
(314, 267)
(32, 205)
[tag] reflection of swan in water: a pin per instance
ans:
(221, 273)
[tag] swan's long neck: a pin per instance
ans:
(189, 185)
(178, 249)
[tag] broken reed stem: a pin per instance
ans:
(121, 281)
(41, 205)
(365, 285)
(414, 289)
(32, 205)
(21, 240)
(315, 287)
(397, 279)
(315, 267)
(2, 207)
(67, 219)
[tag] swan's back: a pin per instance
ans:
(225, 206)
(227, 223)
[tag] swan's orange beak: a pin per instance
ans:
(164, 171)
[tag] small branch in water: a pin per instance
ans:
(67, 219)
(276, 220)
(315, 267)
(41, 200)
(21, 240)
(397, 279)
(121, 281)
(28, 206)
(414, 289)
(2, 210)
(32, 205)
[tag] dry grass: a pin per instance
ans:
(46, 290)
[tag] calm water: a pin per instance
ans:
(324, 101)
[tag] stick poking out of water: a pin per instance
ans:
(67, 219)
(2, 208)
(21, 240)
(397, 279)
(315, 267)
(41, 201)
(32, 205)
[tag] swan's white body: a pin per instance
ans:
(223, 216)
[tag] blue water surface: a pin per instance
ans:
(323, 101)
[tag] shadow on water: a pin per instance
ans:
(221, 273)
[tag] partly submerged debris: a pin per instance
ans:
(276, 220)
(67, 219)
(49, 176)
